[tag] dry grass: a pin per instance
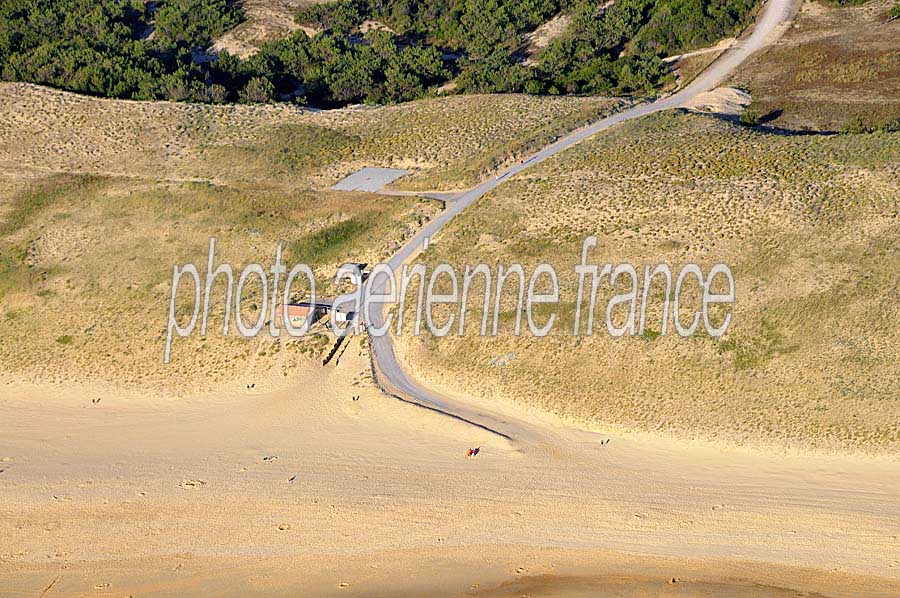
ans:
(100, 198)
(455, 142)
(836, 63)
(811, 228)
(87, 267)
(447, 142)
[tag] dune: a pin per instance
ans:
(293, 486)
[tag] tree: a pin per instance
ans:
(341, 17)
(258, 90)
(353, 75)
(194, 23)
(101, 47)
(496, 73)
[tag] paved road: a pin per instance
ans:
(769, 27)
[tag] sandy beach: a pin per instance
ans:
(294, 487)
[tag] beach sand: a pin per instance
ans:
(149, 496)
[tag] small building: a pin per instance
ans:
(298, 314)
(340, 316)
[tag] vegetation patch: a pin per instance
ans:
(140, 50)
(325, 243)
(837, 69)
(758, 349)
(447, 143)
(808, 225)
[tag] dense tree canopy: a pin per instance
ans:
(129, 49)
(109, 48)
(194, 22)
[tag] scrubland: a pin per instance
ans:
(99, 199)
(836, 63)
(448, 142)
(808, 224)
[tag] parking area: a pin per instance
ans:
(369, 179)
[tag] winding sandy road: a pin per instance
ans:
(773, 21)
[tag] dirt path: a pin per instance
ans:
(719, 47)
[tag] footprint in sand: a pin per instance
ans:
(192, 484)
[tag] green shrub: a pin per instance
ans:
(894, 12)
(855, 126)
(194, 23)
(749, 118)
(341, 17)
(258, 90)
(891, 126)
(618, 49)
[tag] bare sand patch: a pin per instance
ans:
(726, 101)
(267, 20)
(234, 489)
(541, 37)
